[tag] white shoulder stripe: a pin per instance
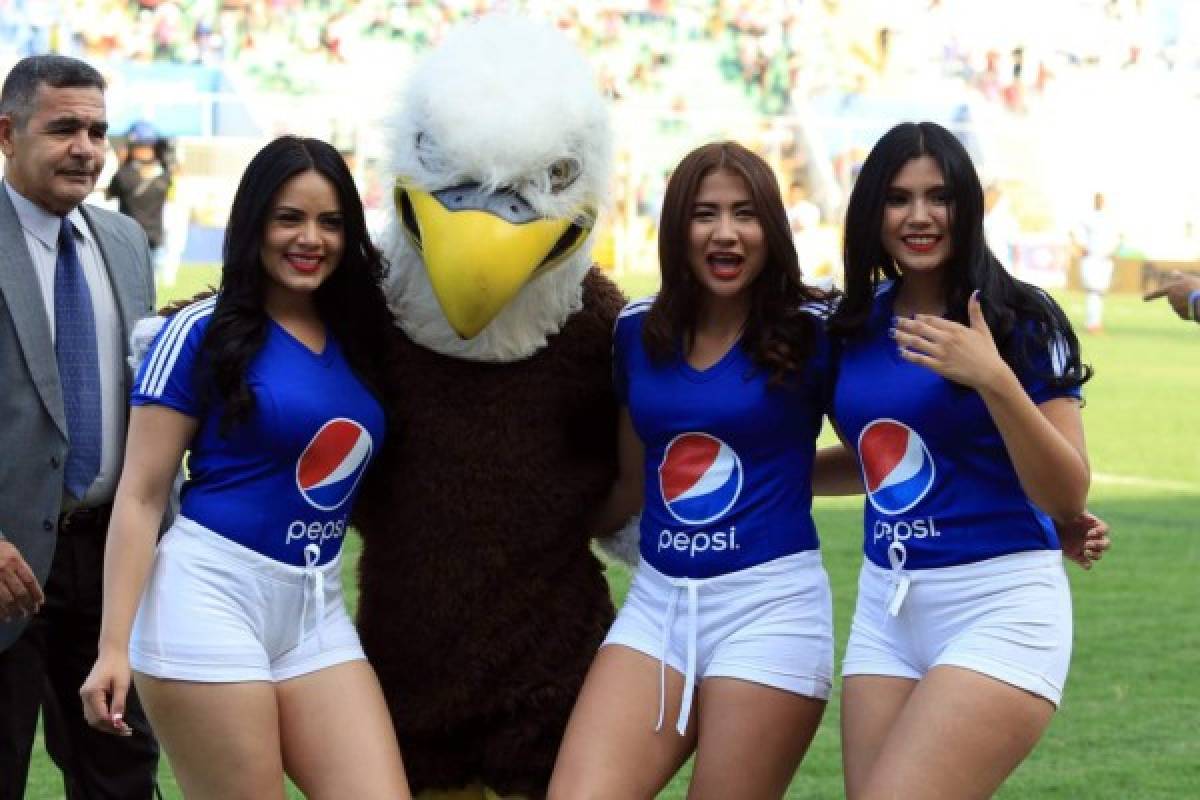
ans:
(162, 346)
(639, 306)
(817, 308)
(170, 345)
(1058, 355)
(883, 286)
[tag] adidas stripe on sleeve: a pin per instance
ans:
(167, 375)
(625, 336)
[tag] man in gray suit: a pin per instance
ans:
(73, 280)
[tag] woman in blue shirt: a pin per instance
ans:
(241, 648)
(723, 378)
(958, 397)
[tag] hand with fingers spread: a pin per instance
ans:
(20, 593)
(960, 353)
(1084, 539)
(1182, 292)
(104, 692)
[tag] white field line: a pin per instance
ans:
(1150, 483)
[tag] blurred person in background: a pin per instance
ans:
(177, 216)
(1000, 225)
(1096, 241)
(142, 183)
(804, 217)
(1182, 292)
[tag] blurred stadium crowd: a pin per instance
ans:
(1056, 101)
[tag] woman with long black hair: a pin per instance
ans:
(958, 397)
(234, 627)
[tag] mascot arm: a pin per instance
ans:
(624, 499)
(144, 330)
(623, 545)
(617, 524)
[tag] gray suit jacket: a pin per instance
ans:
(33, 427)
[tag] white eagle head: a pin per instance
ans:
(501, 152)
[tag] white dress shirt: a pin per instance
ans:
(41, 238)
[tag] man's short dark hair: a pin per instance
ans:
(58, 72)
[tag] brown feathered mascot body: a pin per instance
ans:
(481, 603)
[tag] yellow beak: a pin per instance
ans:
(481, 248)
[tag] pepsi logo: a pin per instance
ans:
(700, 478)
(897, 468)
(332, 464)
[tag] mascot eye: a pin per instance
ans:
(562, 173)
(429, 155)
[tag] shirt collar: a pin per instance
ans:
(41, 223)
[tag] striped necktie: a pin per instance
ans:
(78, 364)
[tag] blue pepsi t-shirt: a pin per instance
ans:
(286, 478)
(937, 475)
(728, 459)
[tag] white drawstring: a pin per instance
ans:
(897, 555)
(689, 678)
(314, 581)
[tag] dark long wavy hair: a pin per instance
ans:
(778, 336)
(350, 301)
(1007, 302)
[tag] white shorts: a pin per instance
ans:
(215, 611)
(770, 624)
(1095, 273)
(1007, 617)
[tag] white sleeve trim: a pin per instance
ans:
(639, 306)
(170, 345)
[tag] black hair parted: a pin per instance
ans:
(350, 301)
(1009, 305)
(19, 93)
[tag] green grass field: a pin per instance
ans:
(1128, 726)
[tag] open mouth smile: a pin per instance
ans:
(724, 265)
(303, 262)
(921, 243)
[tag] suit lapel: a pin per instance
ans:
(123, 265)
(26, 307)
(119, 262)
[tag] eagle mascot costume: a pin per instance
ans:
(481, 604)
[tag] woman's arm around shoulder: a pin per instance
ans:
(624, 498)
(836, 470)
